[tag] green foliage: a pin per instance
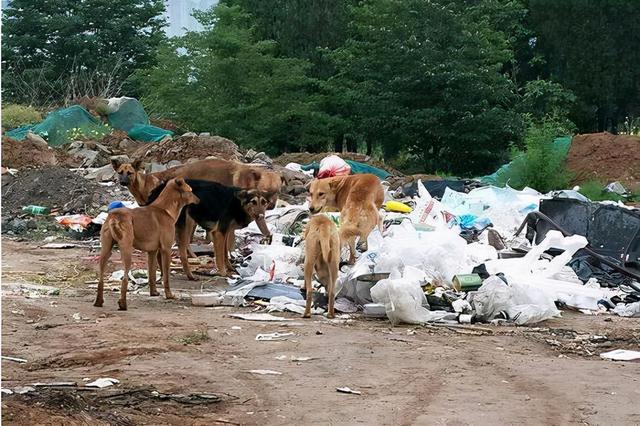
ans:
(541, 166)
(428, 76)
(595, 191)
(590, 48)
(88, 133)
(232, 84)
(56, 50)
(19, 115)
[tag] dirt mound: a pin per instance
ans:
(306, 158)
(188, 146)
(32, 153)
(606, 158)
(52, 186)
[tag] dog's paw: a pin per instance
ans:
(122, 306)
(169, 296)
(154, 293)
(98, 303)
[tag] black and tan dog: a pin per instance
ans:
(221, 210)
(322, 255)
(150, 229)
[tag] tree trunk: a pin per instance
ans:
(369, 146)
(338, 142)
(352, 144)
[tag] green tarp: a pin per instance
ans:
(56, 126)
(129, 113)
(148, 133)
(502, 175)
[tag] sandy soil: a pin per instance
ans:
(550, 374)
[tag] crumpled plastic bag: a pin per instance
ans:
(285, 258)
(631, 310)
(524, 303)
(405, 302)
(429, 213)
(333, 166)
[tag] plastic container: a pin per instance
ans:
(36, 210)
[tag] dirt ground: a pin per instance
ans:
(606, 158)
(550, 374)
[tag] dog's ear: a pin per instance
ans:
(257, 175)
(115, 163)
(136, 164)
(336, 183)
(242, 195)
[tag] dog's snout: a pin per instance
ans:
(124, 180)
(314, 210)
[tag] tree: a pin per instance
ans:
(226, 81)
(428, 76)
(56, 40)
(590, 49)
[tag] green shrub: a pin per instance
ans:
(541, 166)
(19, 115)
(595, 191)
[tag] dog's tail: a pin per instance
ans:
(117, 229)
(325, 247)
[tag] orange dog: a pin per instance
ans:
(357, 197)
(150, 229)
(322, 255)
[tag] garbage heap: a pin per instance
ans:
(490, 255)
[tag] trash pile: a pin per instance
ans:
(460, 259)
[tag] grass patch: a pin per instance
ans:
(196, 337)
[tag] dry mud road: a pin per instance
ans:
(166, 353)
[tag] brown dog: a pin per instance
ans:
(322, 255)
(357, 197)
(150, 229)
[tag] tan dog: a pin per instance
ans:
(322, 255)
(357, 197)
(150, 229)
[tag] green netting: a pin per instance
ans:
(560, 145)
(359, 168)
(55, 128)
(129, 113)
(148, 133)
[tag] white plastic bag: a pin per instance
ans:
(333, 166)
(631, 310)
(428, 214)
(405, 302)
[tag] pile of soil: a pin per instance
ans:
(32, 153)
(306, 158)
(187, 147)
(53, 186)
(606, 158)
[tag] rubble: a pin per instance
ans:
(188, 147)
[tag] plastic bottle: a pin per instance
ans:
(35, 210)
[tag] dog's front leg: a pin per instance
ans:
(220, 248)
(183, 233)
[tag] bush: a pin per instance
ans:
(541, 166)
(19, 115)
